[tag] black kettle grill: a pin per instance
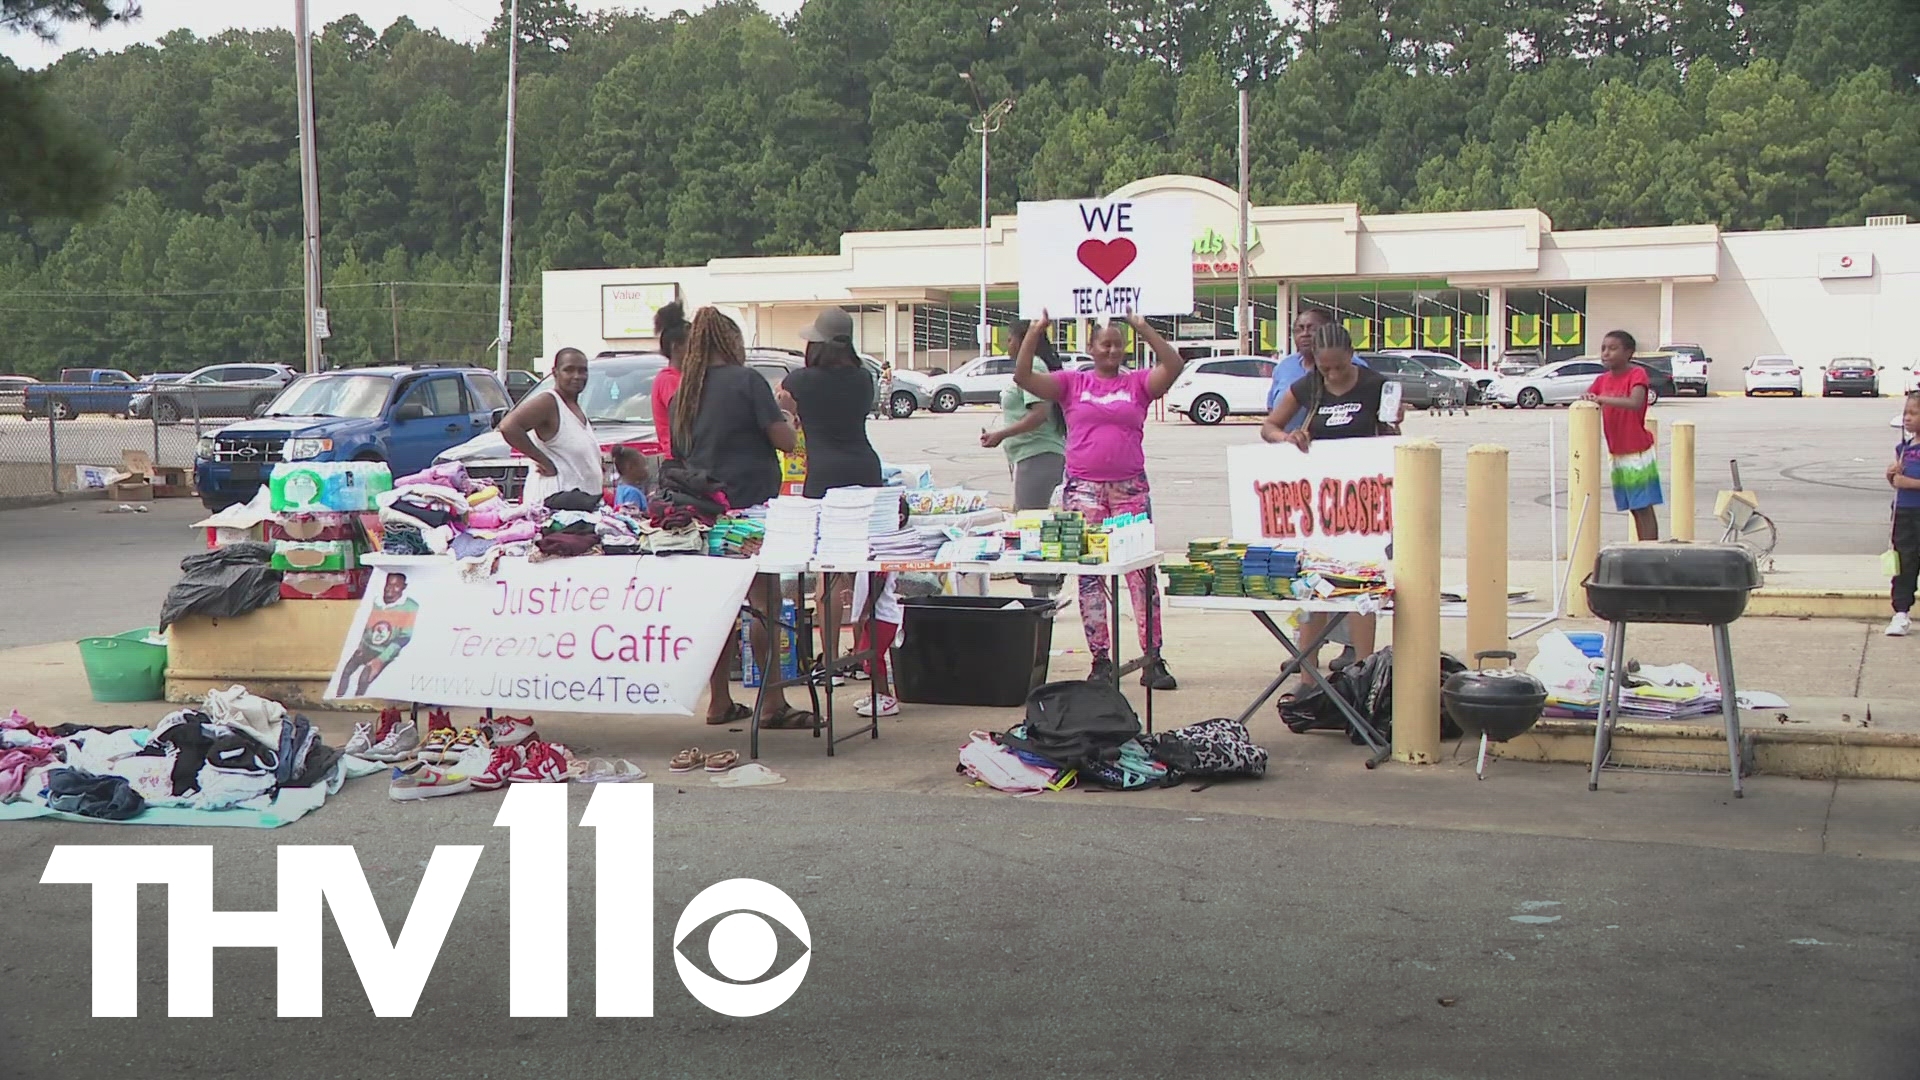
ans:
(1672, 582)
(1500, 705)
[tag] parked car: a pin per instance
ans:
(1689, 368)
(520, 383)
(1913, 379)
(13, 393)
(1560, 383)
(1850, 375)
(908, 392)
(1659, 369)
(1521, 362)
(404, 416)
(140, 407)
(219, 390)
(1474, 381)
(80, 391)
(976, 382)
(1209, 391)
(1420, 386)
(1773, 375)
(777, 364)
(618, 402)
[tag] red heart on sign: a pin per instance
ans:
(1107, 258)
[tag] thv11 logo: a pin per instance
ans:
(742, 947)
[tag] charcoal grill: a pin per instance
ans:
(1498, 705)
(1672, 583)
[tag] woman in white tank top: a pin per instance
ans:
(551, 430)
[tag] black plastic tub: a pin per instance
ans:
(986, 651)
(1674, 582)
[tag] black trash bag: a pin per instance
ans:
(1368, 687)
(229, 581)
(1075, 724)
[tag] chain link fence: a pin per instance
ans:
(53, 446)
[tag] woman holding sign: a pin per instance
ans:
(1341, 400)
(1106, 414)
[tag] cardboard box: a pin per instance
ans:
(337, 585)
(172, 482)
(124, 488)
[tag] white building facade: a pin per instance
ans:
(1478, 285)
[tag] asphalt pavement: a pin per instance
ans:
(1000, 937)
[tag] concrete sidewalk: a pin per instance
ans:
(1832, 673)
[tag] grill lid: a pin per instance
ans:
(1676, 564)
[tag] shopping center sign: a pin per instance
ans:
(1106, 258)
(394, 971)
(611, 634)
(1335, 499)
(1216, 253)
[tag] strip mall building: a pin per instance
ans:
(1477, 284)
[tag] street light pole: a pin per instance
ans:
(506, 210)
(989, 122)
(309, 182)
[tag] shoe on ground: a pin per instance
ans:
(889, 706)
(501, 764)
(438, 719)
(362, 740)
(1901, 626)
(401, 743)
(1155, 676)
(509, 730)
(425, 782)
(1344, 660)
(540, 763)
(1103, 671)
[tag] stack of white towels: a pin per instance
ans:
(793, 531)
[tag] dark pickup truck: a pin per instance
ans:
(81, 390)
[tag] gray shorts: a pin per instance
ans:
(1035, 478)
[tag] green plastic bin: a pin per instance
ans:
(125, 667)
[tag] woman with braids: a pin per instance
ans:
(1340, 399)
(1106, 413)
(670, 327)
(727, 425)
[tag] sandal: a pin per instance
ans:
(687, 760)
(736, 714)
(790, 719)
(723, 761)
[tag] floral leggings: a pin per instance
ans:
(1097, 500)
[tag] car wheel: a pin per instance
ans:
(165, 412)
(1208, 409)
(1798, 393)
(946, 400)
(1653, 396)
(902, 405)
(61, 410)
(1529, 398)
(1749, 393)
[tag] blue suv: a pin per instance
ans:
(404, 416)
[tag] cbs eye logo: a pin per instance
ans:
(741, 946)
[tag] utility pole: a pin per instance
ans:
(989, 122)
(506, 207)
(393, 305)
(316, 328)
(1243, 313)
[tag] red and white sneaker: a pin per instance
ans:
(510, 730)
(498, 771)
(368, 736)
(540, 763)
(438, 719)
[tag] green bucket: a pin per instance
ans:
(125, 667)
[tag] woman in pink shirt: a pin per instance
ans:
(1106, 412)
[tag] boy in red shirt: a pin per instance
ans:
(1621, 393)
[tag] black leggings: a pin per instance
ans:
(1906, 544)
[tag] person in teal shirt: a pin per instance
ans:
(1033, 435)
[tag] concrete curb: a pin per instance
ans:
(1814, 754)
(1859, 604)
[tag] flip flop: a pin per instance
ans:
(736, 714)
(609, 771)
(723, 761)
(753, 775)
(687, 760)
(790, 719)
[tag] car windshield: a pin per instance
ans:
(1441, 363)
(357, 396)
(618, 388)
(1851, 362)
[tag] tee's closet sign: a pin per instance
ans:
(609, 634)
(1106, 258)
(1335, 498)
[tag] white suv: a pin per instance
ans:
(1209, 391)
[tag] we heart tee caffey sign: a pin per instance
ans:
(1104, 258)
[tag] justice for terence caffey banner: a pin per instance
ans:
(601, 634)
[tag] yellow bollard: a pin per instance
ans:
(1585, 462)
(1416, 601)
(1653, 428)
(1680, 454)
(1486, 550)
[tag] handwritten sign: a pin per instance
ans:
(1105, 258)
(606, 634)
(1335, 498)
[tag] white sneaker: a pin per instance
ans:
(362, 740)
(425, 782)
(889, 706)
(401, 743)
(1901, 624)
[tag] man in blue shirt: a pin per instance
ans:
(1297, 364)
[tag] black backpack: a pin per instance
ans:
(1368, 686)
(1075, 724)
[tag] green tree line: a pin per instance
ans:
(648, 141)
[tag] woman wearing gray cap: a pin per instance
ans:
(831, 395)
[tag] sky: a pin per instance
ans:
(463, 20)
